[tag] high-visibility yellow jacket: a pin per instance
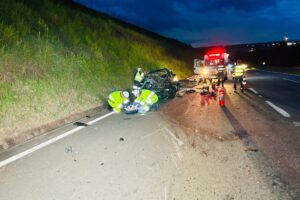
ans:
(147, 97)
(238, 71)
(117, 101)
(139, 76)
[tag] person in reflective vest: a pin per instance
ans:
(138, 77)
(117, 100)
(146, 98)
(238, 74)
(221, 75)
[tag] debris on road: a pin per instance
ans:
(250, 149)
(80, 124)
(69, 149)
(183, 91)
(121, 139)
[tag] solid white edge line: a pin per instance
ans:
(278, 109)
(100, 118)
(290, 80)
(253, 90)
(35, 148)
(48, 142)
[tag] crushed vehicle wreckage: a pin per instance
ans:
(148, 89)
(162, 82)
(164, 85)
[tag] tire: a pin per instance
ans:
(172, 92)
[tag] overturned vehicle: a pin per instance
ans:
(162, 82)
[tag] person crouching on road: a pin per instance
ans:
(238, 74)
(146, 98)
(138, 77)
(118, 100)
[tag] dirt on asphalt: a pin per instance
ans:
(267, 140)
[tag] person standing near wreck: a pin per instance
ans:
(138, 77)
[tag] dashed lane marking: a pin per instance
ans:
(44, 144)
(278, 109)
(291, 80)
(253, 90)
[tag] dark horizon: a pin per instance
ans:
(209, 23)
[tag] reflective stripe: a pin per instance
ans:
(149, 101)
(151, 94)
(126, 101)
(146, 108)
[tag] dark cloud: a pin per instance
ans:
(209, 21)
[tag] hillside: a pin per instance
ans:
(276, 54)
(58, 58)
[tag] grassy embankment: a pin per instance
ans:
(60, 58)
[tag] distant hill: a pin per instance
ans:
(58, 58)
(274, 54)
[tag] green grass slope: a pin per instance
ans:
(59, 58)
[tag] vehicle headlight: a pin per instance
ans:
(175, 79)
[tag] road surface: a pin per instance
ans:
(136, 157)
(282, 90)
(191, 149)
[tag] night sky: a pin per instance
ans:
(209, 22)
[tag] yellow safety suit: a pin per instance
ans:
(238, 71)
(147, 98)
(117, 101)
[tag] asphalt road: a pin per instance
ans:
(282, 90)
(135, 157)
(192, 149)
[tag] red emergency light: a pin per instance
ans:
(215, 52)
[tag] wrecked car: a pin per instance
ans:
(162, 82)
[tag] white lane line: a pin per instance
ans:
(177, 140)
(290, 80)
(166, 195)
(253, 90)
(297, 124)
(278, 109)
(153, 133)
(100, 118)
(44, 144)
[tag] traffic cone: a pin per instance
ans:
(221, 96)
